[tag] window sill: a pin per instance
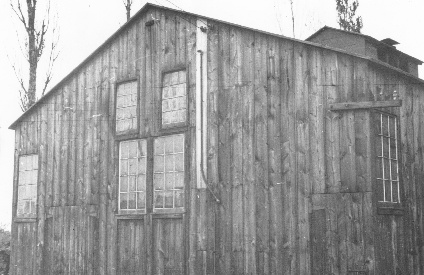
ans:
(130, 216)
(22, 220)
(390, 210)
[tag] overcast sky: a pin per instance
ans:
(85, 24)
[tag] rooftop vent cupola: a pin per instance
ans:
(361, 44)
(390, 42)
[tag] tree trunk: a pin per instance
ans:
(128, 7)
(32, 56)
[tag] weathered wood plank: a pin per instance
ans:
(246, 80)
(64, 143)
(362, 151)
(260, 151)
(58, 111)
(303, 188)
(347, 130)
(316, 121)
(319, 253)
(72, 110)
(332, 138)
(50, 151)
(87, 164)
(348, 106)
(355, 233)
(192, 222)
(224, 166)
(112, 166)
(103, 158)
(236, 141)
(96, 116)
(288, 157)
(213, 57)
(41, 189)
(274, 76)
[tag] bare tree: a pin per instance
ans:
(346, 13)
(35, 43)
(127, 4)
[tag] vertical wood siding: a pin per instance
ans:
(294, 179)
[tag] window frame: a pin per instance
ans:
(149, 209)
(132, 133)
(27, 216)
(386, 207)
(185, 188)
(132, 211)
(178, 125)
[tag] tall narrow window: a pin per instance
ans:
(126, 107)
(168, 176)
(388, 188)
(132, 176)
(27, 186)
(174, 99)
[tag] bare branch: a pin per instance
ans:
(20, 15)
(37, 39)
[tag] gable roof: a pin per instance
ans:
(378, 43)
(147, 6)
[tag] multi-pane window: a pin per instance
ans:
(174, 99)
(132, 176)
(126, 107)
(27, 185)
(388, 188)
(168, 172)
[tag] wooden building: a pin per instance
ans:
(187, 145)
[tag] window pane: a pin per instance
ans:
(387, 162)
(131, 200)
(123, 167)
(158, 163)
(393, 152)
(395, 191)
(126, 107)
(123, 201)
(179, 198)
(388, 193)
(132, 182)
(174, 98)
(169, 199)
(141, 183)
(392, 126)
(132, 185)
(169, 181)
(123, 185)
(27, 185)
(158, 199)
(386, 147)
(141, 200)
(132, 149)
(33, 207)
(167, 161)
(158, 181)
(385, 125)
(394, 170)
(179, 180)
(386, 169)
(132, 164)
(142, 165)
(179, 162)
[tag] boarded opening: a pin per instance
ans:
(71, 241)
(131, 247)
(168, 249)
